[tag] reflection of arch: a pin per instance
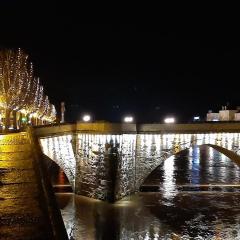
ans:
(166, 157)
(228, 153)
(53, 165)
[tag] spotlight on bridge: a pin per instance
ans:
(128, 119)
(169, 120)
(86, 118)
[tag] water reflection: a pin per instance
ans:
(169, 189)
(196, 167)
(147, 216)
(198, 198)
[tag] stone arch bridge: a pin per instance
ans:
(109, 161)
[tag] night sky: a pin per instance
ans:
(109, 70)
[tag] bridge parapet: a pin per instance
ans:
(107, 128)
(51, 130)
(130, 128)
(190, 128)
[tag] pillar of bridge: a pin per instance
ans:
(96, 172)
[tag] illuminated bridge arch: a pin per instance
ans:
(155, 173)
(154, 149)
(59, 149)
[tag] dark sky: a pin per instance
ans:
(149, 70)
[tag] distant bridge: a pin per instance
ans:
(109, 161)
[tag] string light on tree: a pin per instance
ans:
(20, 91)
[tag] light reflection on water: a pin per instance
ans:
(148, 216)
(198, 199)
(169, 184)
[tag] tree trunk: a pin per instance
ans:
(7, 120)
(20, 120)
(28, 118)
(14, 119)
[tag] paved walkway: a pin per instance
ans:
(21, 216)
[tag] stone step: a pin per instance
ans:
(19, 164)
(23, 204)
(19, 190)
(27, 230)
(15, 156)
(19, 206)
(15, 148)
(12, 176)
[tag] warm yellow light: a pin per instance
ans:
(23, 111)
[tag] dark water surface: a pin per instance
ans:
(198, 197)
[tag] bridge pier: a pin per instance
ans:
(103, 163)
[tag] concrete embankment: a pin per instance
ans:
(27, 204)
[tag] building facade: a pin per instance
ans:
(223, 115)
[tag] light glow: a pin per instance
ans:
(169, 120)
(128, 119)
(196, 118)
(86, 118)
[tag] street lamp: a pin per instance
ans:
(86, 118)
(128, 119)
(196, 118)
(169, 120)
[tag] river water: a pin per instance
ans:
(196, 196)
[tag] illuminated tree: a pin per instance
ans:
(43, 109)
(16, 74)
(20, 91)
(33, 99)
(51, 113)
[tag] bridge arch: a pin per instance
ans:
(231, 154)
(56, 174)
(164, 159)
(60, 150)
